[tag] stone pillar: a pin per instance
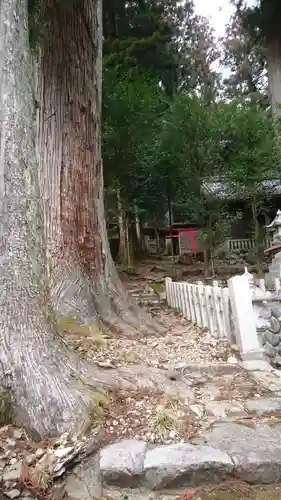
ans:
(240, 294)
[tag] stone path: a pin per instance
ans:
(226, 425)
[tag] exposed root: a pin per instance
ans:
(77, 298)
(66, 394)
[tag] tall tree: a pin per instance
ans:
(138, 38)
(36, 370)
(244, 56)
(197, 50)
(44, 385)
(263, 23)
(84, 283)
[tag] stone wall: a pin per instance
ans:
(268, 316)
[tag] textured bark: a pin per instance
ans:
(39, 376)
(33, 365)
(84, 283)
(274, 75)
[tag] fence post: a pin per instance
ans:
(244, 318)
(168, 285)
(227, 321)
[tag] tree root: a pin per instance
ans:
(75, 296)
(55, 391)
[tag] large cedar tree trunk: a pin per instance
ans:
(274, 74)
(44, 386)
(84, 282)
(35, 370)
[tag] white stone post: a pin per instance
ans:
(168, 286)
(240, 295)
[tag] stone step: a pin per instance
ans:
(228, 450)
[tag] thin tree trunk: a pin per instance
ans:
(84, 282)
(171, 223)
(122, 254)
(138, 246)
(128, 244)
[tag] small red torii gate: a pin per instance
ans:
(191, 232)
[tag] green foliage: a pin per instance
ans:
(132, 108)
(138, 40)
(218, 227)
(165, 134)
(248, 149)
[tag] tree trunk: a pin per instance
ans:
(274, 75)
(35, 371)
(47, 388)
(122, 254)
(38, 373)
(84, 282)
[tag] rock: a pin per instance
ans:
(277, 361)
(255, 365)
(221, 409)
(39, 453)
(263, 406)
(12, 473)
(185, 464)
(274, 325)
(251, 258)
(272, 338)
(29, 459)
(265, 313)
(58, 491)
(17, 434)
(12, 494)
(232, 360)
(217, 409)
(198, 410)
(256, 452)
(276, 311)
(11, 442)
(269, 350)
(123, 462)
(63, 452)
(84, 482)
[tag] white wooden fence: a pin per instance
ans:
(206, 306)
(231, 313)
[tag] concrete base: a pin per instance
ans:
(255, 354)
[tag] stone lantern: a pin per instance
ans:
(274, 251)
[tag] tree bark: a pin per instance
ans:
(49, 390)
(274, 75)
(84, 282)
(122, 254)
(34, 367)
